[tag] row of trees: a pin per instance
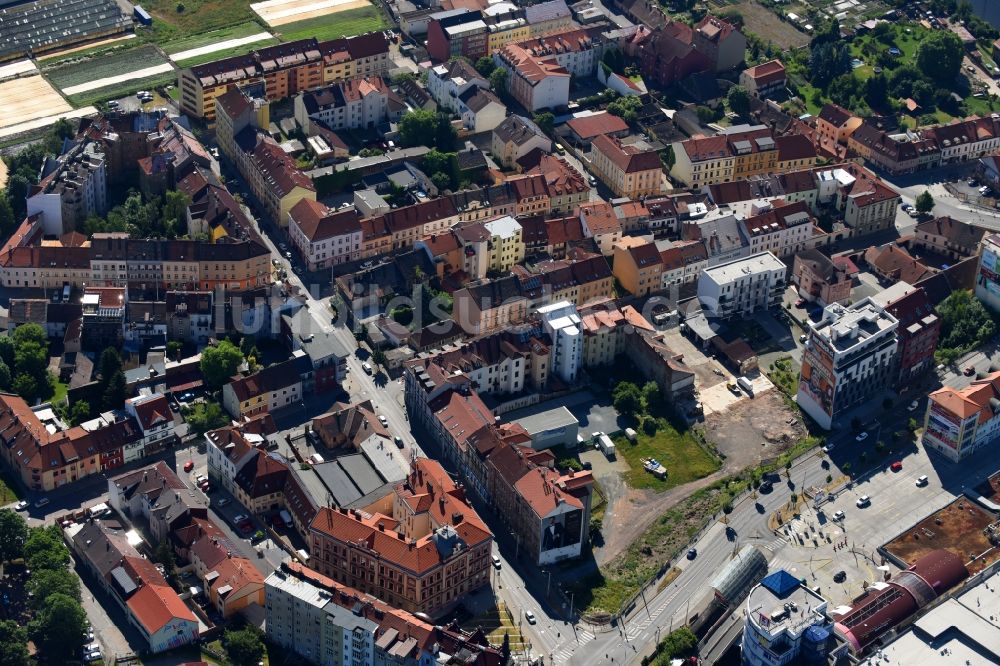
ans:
(58, 621)
(965, 324)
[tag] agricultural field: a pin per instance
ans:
(198, 16)
(86, 70)
(225, 53)
(29, 98)
(346, 23)
(203, 39)
(280, 12)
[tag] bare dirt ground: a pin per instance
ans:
(747, 433)
(766, 25)
(29, 98)
(957, 527)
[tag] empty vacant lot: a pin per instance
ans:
(766, 25)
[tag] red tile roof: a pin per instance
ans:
(630, 158)
(588, 127)
(155, 605)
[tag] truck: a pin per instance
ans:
(605, 444)
(745, 384)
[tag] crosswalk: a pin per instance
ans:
(775, 544)
(563, 655)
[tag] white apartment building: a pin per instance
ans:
(152, 413)
(359, 103)
(742, 287)
(850, 357)
(562, 322)
(779, 613)
(782, 231)
(506, 245)
(449, 81)
(74, 189)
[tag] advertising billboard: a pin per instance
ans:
(562, 530)
(817, 379)
(988, 276)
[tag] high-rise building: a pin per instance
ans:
(562, 322)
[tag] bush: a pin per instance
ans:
(650, 425)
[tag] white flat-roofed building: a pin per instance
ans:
(562, 322)
(553, 427)
(785, 622)
(742, 287)
(850, 356)
(506, 243)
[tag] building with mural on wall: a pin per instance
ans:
(959, 422)
(850, 356)
(987, 274)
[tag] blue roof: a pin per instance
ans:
(817, 634)
(780, 583)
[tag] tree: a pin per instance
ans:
(498, 80)
(17, 194)
(44, 583)
(627, 398)
(965, 323)
(111, 363)
(485, 66)
(13, 534)
(828, 61)
(114, 394)
(220, 362)
(165, 556)
(5, 376)
(614, 59)
(651, 396)
(44, 549)
(79, 412)
(244, 646)
(174, 348)
(925, 202)
(739, 100)
(7, 350)
(877, 91)
(205, 416)
(626, 108)
(7, 219)
(545, 121)
(939, 56)
(422, 127)
(58, 628)
(13, 644)
(26, 386)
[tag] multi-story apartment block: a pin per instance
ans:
(355, 104)
(821, 279)
(850, 357)
(323, 237)
(561, 322)
(604, 327)
(515, 137)
(548, 17)
(489, 306)
(268, 389)
(960, 422)
(506, 244)
(988, 274)
(72, 188)
(682, 262)
(284, 70)
(919, 329)
(834, 126)
(906, 152)
(638, 267)
(774, 633)
(330, 624)
(578, 50)
(737, 153)
(422, 548)
(630, 170)
(152, 414)
(449, 81)
(782, 229)
(535, 82)
(742, 287)
(948, 237)
(457, 32)
(674, 50)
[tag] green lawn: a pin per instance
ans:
(342, 24)
(60, 395)
(682, 455)
(198, 16)
(213, 37)
(8, 493)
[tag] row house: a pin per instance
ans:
(823, 280)
(637, 266)
(565, 187)
(781, 229)
(959, 422)
(44, 458)
(268, 389)
(321, 620)
(285, 69)
(765, 79)
(604, 325)
(231, 447)
(514, 138)
(948, 237)
(918, 333)
(357, 104)
(581, 278)
(535, 82)
(489, 305)
(683, 262)
(422, 548)
(450, 80)
(156, 422)
(324, 238)
(629, 170)
(578, 51)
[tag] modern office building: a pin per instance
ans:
(850, 356)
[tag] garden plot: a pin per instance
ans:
(280, 12)
(220, 46)
(14, 69)
(105, 71)
(28, 99)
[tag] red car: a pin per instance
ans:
(189, 465)
(799, 303)
(896, 466)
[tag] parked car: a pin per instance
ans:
(803, 337)
(862, 436)
(840, 577)
(189, 465)
(913, 406)
(496, 562)
(969, 370)
(864, 501)
(692, 553)
(838, 516)
(896, 466)
(224, 501)
(42, 502)
(827, 448)
(529, 616)
(367, 367)
(399, 441)
(21, 506)
(241, 518)
(381, 419)
(921, 481)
